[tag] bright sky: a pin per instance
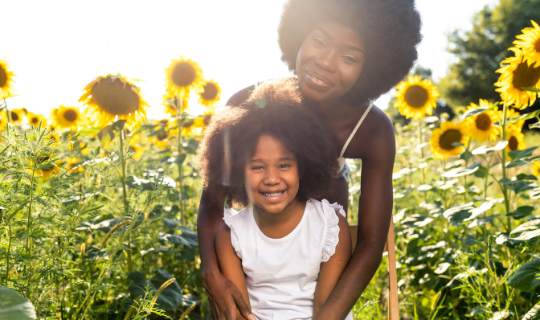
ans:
(57, 47)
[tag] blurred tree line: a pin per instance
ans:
(479, 52)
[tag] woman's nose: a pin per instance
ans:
(326, 60)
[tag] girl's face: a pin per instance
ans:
(329, 61)
(271, 176)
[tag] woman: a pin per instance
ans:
(345, 54)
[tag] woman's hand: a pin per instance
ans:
(226, 300)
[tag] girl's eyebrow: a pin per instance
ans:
(325, 32)
(351, 47)
(286, 159)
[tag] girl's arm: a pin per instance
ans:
(332, 269)
(229, 263)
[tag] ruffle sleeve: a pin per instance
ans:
(332, 228)
(228, 218)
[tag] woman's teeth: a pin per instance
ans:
(319, 81)
(276, 194)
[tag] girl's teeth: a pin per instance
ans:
(273, 194)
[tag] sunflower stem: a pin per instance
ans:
(7, 111)
(180, 123)
(504, 172)
(124, 195)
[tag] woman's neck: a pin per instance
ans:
(278, 225)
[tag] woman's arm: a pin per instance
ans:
(332, 269)
(375, 212)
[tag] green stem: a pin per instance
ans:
(420, 137)
(465, 177)
(29, 221)
(124, 193)
(8, 251)
(504, 172)
(180, 123)
(7, 111)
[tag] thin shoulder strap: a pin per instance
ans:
(355, 129)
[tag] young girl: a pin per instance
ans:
(285, 251)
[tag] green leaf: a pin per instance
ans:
(460, 172)
(89, 131)
(523, 176)
(530, 89)
(525, 116)
(520, 154)
(527, 231)
(485, 150)
(533, 314)
(474, 112)
(535, 125)
(535, 194)
(185, 239)
(460, 213)
(521, 212)
(517, 163)
(507, 181)
(15, 307)
(525, 278)
(171, 297)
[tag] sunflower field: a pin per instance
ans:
(98, 203)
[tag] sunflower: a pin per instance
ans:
(518, 74)
(161, 138)
(35, 119)
(443, 140)
(109, 97)
(481, 127)
(74, 165)
(514, 138)
(529, 42)
(6, 80)
(183, 75)
(17, 115)
(51, 169)
(210, 94)
(137, 149)
(67, 117)
(416, 97)
(536, 168)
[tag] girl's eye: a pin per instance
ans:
(319, 42)
(256, 168)
(285, 165)
(349, 59)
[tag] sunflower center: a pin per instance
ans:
(183, 74)
(188, 124)
(526, 76)
(537, 45)
(3, 77)
(162, 136)
(34, 120)
(70, 115)
(15, 116)
(416, 96)
(513, 143)
(483, 122)
(450, 137)
(210, 91)
(115, 96)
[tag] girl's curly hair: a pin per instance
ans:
(390, 30)
(274, 108)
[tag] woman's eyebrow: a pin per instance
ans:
(351, 47)
(325, 32)
(286, 159)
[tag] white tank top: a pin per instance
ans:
(341, 160)
(281, 274)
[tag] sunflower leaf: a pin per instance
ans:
(527, 231)
(525, 116)
(15, 307)
(531, 89)
(534, 125)
(521, 212)
(88, 131)
(524, 278)
(474, 112)
(485, 150)
(520, 154)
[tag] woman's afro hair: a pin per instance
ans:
(390, 30)
(275, 108)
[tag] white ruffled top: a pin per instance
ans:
(281, 274)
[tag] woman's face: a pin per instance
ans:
(329, 61)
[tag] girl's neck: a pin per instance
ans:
(280, 224)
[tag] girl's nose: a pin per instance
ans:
(326, 60)
(271, 177)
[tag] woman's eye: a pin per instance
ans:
(349, 59)
(281, 166)
(318, 42)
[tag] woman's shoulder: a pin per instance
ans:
(375, 134)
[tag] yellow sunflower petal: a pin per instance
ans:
(481, 127)
(443, 139)
(529, 42)
(17, 116)
(110, 97)
(515, 137)
(182, 76)
(416, 97)
(516, 75)
(536, 168)
(6, 80)
(35, 119)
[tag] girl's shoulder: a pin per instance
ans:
(327, 209)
